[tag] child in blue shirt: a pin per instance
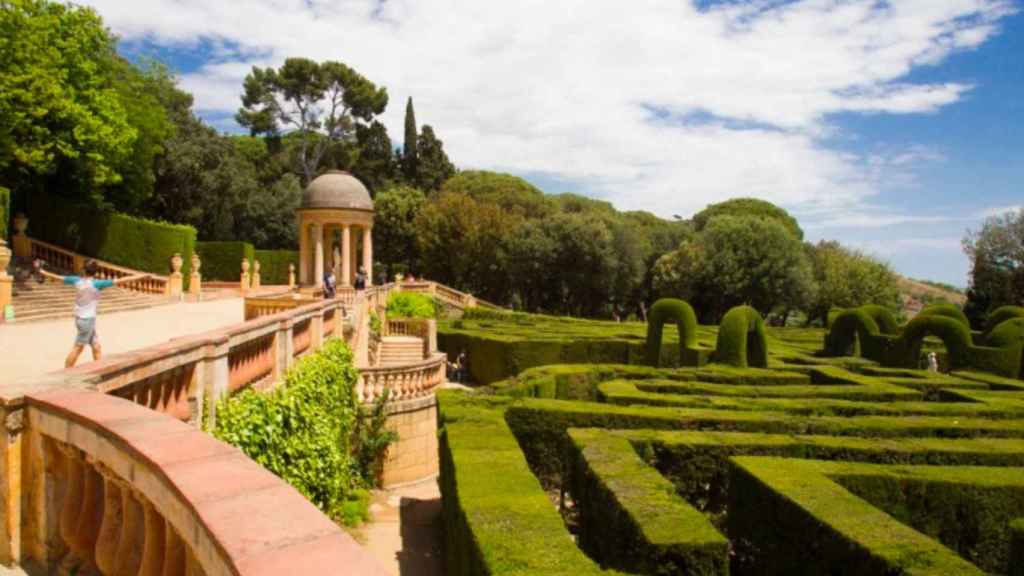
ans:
(87, 299)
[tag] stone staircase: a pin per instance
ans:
(51, 300)
(400, 350)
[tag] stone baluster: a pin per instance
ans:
(153, 550)
(110, 527)
(174, 553)
(73, 499)
(131, 543)
(87, 528)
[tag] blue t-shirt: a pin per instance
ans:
(88, 295)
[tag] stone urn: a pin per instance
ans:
(5, 258)
(20, 223)
(176, 262)
(245, 266)
(255, 267)
(196, 263)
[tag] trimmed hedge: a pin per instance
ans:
(949, 311)
(5, 213)
(682, 315)
(789, 517)
(274, 266)
(883, 317)
(222, 261)
(1002, 314)
(127, 241)
(498, 520)
(741, 339)
(1017, 548)
(630, 517)
(956, 335)
(1007, 334)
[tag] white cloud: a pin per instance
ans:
(565, 88)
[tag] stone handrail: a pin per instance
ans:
(447, 295)
(421, 328)
(67, 260)
(181, 376)
(107, 486)
(403, 382)
(265, 305)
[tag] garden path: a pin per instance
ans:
(405, 531)
(36, 348)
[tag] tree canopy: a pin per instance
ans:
(996, 251)
(747, 207)
(321, 102)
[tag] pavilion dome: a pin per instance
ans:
(338, 190)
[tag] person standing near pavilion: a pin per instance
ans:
(87, 299)
(360, 283)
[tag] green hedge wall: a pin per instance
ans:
(630, 517)
(116, 238)
(682, 315)
(222, 261)
(274, 265)
(5, 213)
(741, 339)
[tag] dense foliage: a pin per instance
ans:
(411, 305)
(845, 278)
(307, 431)
(997, 265)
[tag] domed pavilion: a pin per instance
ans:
(335, 228)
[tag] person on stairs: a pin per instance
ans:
(87, 299)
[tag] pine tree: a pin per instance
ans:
(376, 164)
(434, 166)
(410, 160)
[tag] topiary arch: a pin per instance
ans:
(883, 317)
(848, 327)
(1002, 314)
(954, 334)
(741, 339)
(678, 312)
(948, 310)
(1007, 334)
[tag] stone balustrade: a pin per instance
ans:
(96, 484)
(447, 295)
(62, 259)
(422, 328)
(402, 382)
(266, 305)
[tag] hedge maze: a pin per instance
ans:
(809, 465)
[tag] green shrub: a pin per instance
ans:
(5, 213)
(681, 314)
(1002, 314)
(411, 305)
(948, 310)
(631, 518)
(127, 241)
(222, 261)
(301, 430)
(741, 339)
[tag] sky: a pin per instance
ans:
(891, 126)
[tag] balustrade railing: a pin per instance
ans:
(60, 258)
(104, 486)
(402, 382)
(251, 362)
(302, 336)
(267, 305)
(417, 327)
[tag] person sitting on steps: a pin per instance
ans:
(87, 298)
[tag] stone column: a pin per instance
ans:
(303, 252)
(318, 254)
(368, 255)
(346, 256)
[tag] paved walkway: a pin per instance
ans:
(35, 348)
(405, 532)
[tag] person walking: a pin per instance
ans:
(87, 299)
(360, 283)
(330, 285)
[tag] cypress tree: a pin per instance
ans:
(434, 166)
(410, 162)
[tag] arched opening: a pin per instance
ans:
(954, 334)
(679, 313)
(741, 339)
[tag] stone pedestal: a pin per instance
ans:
(245, 280)
(256, 281)
(22, 245)
(175, 281)
(195, 281)
(414, 456)
(6, 281)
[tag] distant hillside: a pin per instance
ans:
(917, 294)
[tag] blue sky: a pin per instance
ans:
(890, 126)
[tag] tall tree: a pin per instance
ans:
(847, 278)
(321, 102)
(375, 166)
(433, 165)
(747, 207)
(394, 229)
(997, 265)
(61, 110)
(410, 146)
